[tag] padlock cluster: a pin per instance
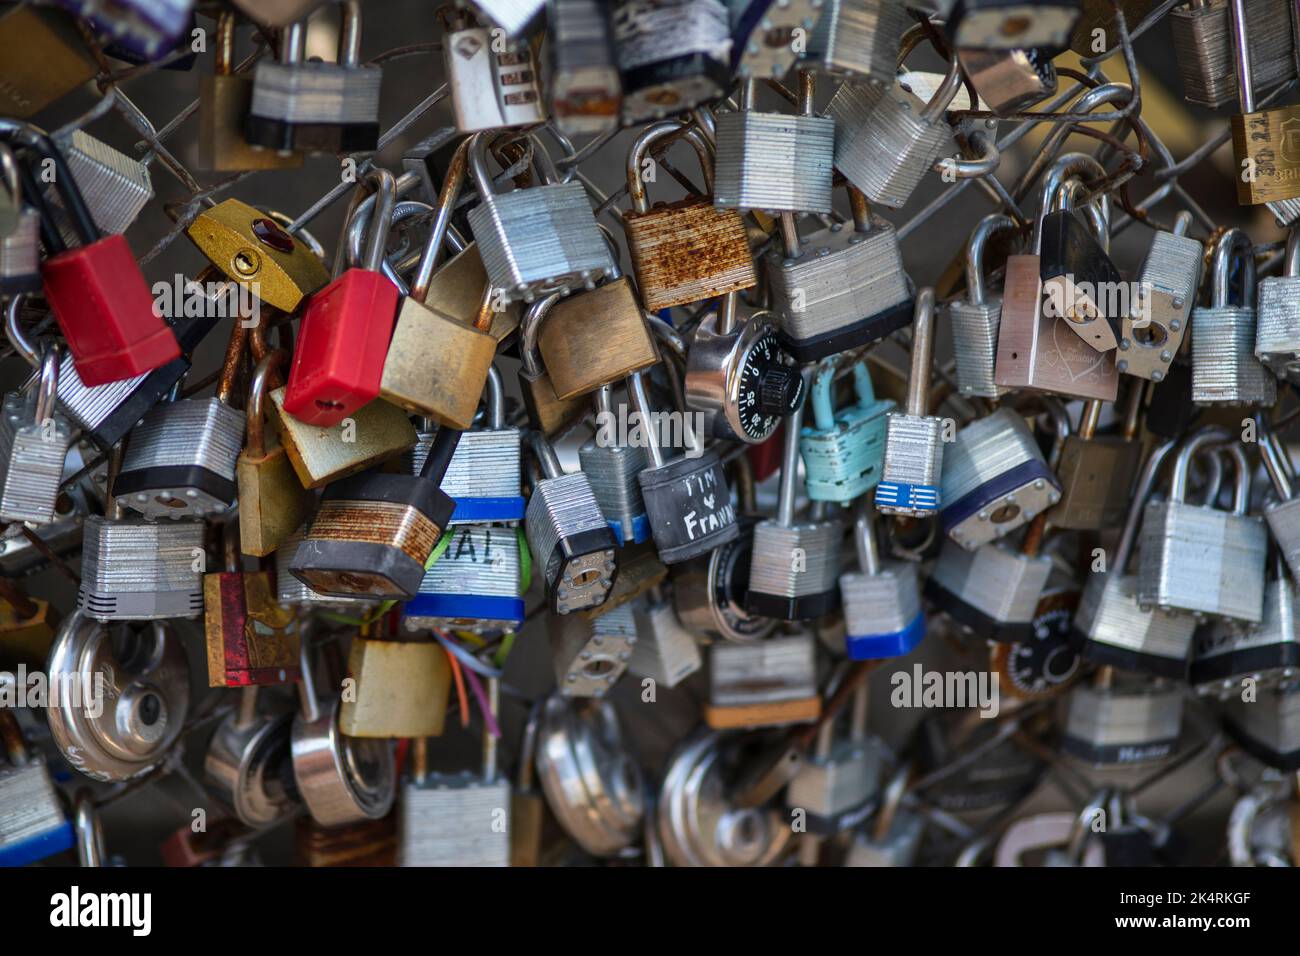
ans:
(558, 463)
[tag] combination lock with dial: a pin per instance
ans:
(1045, 663)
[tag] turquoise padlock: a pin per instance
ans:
(843, 452)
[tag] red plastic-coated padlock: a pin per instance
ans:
(346, 328)
(97, 293)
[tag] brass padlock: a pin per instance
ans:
(45, 59)
(458, 287)
(319, 455)
(400, 689)
(223, 103)
(1268, 169)
(273, 504)
(546, 410)
(251, 248)
(437, 365)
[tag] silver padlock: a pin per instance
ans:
(536, 241)
(762, 684)
(33, 824)
(1111, 723)
(1267, 726)
(709, 591)
(1198, 559)
(995, 480)
(612, 469)
(975, 320)
(457, 819)
(1009, 81)
(116, 187)
(144, 693)
(857, 40)
(473, 583)
(1203, 48)
(494, 84)
(882, 601)
(1152, 333)
(1227, 655)
(1225, 370)
(249, 759)
(673, 55)
(664, 652)
(586, 92)
(774, 162)
(909, 483)
(34, 442)
(1261, 827)
(1277, 326)
(839, 785)
(590, 656)
(133, 569)
(592, 782)
(1283, 511)
(310, 106)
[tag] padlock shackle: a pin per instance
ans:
(89, 829)
(441, 451)
(471, 152)
(525, 778)
(230, 363)
(494, 392)
(14, 331)
(1232, 244)
(293, 43)
(864, 542)
(1273, 458)
(636, 391)
(74, 204)
(1241, 489)
(529, 330)
(1097, 211)
(47, 388)
(544, 451)
(224, 53)
(938, 104)
(918, 382)
(821, 392)
(1241, 56)
(1051, 145)
(489, 729)
(350, 33)
(984, 230)
(273, 362)
(790, 464)
(1182, 223)
(1066, 166)
(309, 704)
(12, 180)
(641, 146)
(1206, 435)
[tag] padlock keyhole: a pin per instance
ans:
(150, 710)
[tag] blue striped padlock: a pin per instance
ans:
(474, 582)
(843, 451)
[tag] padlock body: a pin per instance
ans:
(764, 684)
(794, 570)
(837, 791)
(32, 823)
(223, 103)
(687, 251)
(992, 591)
(491, 88)
(1283, 519)
(321, 455)
(664, 652)
(845, 462)
(571, 542)
(314, 107)
(594, 339)
(1111, 628)
(139, 570)
(857, 41)
(1122, 727)
(1203, 48)
(774, 162)
(242, 650)
(1267, 728)
(453, 820)
(483, 477)
(474, 584)
(689, 506)
(1277, 327)
(882, 612)
(589, 656)
(273, 504)
(910, 477)
(1096, 477)
(1225, 654)
(668, 56)
(975, 345)
(402, 689)
(32, 456)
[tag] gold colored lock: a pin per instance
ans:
(1263, 143)
(401, 690)
(224, 99)
(547, 411)
(458, 288)
(26, 627)
(44, 59)
(273, 504)
(437, 365)
(595, 338)
(252, 249)
(375, 432)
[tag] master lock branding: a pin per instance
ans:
(73, 909)
(670, 430)
(24, 688)
(958, 689)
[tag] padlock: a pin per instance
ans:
(484, 477)
(1120, 723)
(1076, 268)
(251, 639)
(346, 326)
(882, 601)
(838, 288)
(473, 584)
(764, 35)
(612, 469)
(1205, 48)
(320, 455)
(46, 58)
(1261, 141)
(568, 536)
(1267, 727)
(143, 679)
(774, 162)
(133, 569)
(1199, 560)
(340, 779)
(596, 338)
(995, 480)
(398, 689)
(1046, 664)
(1152, 332)
(535, 241)
(1282, 515)
(591, 780)
(698, 820)
(687, 499)
(1226, 655)
(494, 81)
(304, 105)
(373, 533)
(20, 233)
(857, 40)
(910, 477)
(887, 137)
(33, 825)
(665, 652)
(1111, 627)
(589, 655)
(512, 16)
(1009, 81)
(272, 502)
(1034, 351)
(250, 248)
(1225, 370)
(1277, 319)
(684, 251)
(794, 568)
(992, 591)
(291, 592)
(1097, 470)
(843, 451)
(224, 100)
(248, 764)
(115, 186)
(975, 320)
(672, 56)
(768, 683)
(895, 837)
(180, 460)
(837, 787)
(96, 290)
(585, 93)
(547, 412)
(739, 376)
(458, 819)
(34, 441)
(1003, 25)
